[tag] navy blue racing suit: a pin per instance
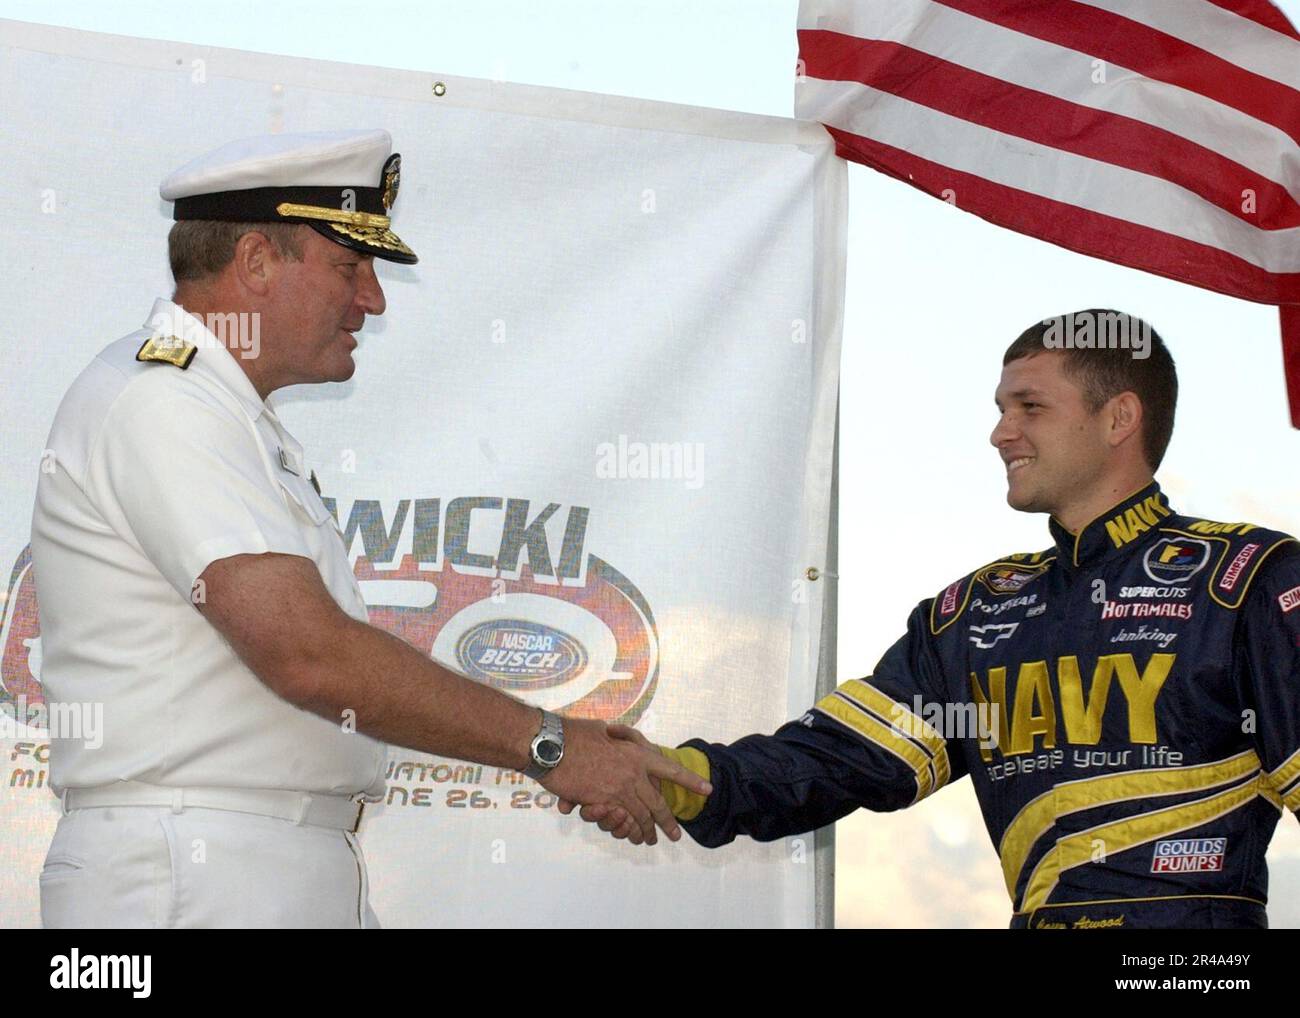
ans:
(1127, 705)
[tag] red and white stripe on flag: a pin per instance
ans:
(1159, 134)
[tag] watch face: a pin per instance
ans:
(549, 752)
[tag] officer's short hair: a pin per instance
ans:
(1106, 353)
(197, 248)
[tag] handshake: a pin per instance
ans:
(619, 779)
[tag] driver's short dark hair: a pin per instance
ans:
(1104, 370)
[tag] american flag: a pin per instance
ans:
(1159, 134)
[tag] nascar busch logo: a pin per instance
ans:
(506, 594)
(20, 640)
(514, 653)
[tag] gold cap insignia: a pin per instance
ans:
(392, 179)
(167, 350)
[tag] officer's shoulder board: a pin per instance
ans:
(163, 349)
(1228, 555)
(1000, 578)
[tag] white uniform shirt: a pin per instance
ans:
(156, 472)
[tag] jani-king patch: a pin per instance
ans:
(1189, 855)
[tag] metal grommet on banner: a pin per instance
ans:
(815, 574)
(439, 88)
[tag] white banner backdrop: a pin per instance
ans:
(599, 412)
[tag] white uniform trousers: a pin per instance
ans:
(132, 867)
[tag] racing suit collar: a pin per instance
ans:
(1123, 524)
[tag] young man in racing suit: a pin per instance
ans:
(1126, 703)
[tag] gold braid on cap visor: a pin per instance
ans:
(375, 236)
(366, 227)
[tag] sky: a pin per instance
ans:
(934, 295)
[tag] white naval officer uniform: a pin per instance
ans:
(157, 472)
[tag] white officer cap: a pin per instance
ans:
(341, 183)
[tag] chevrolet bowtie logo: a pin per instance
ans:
(984, 637)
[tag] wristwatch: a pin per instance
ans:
(547, 749)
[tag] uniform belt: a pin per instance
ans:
(311, 808)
